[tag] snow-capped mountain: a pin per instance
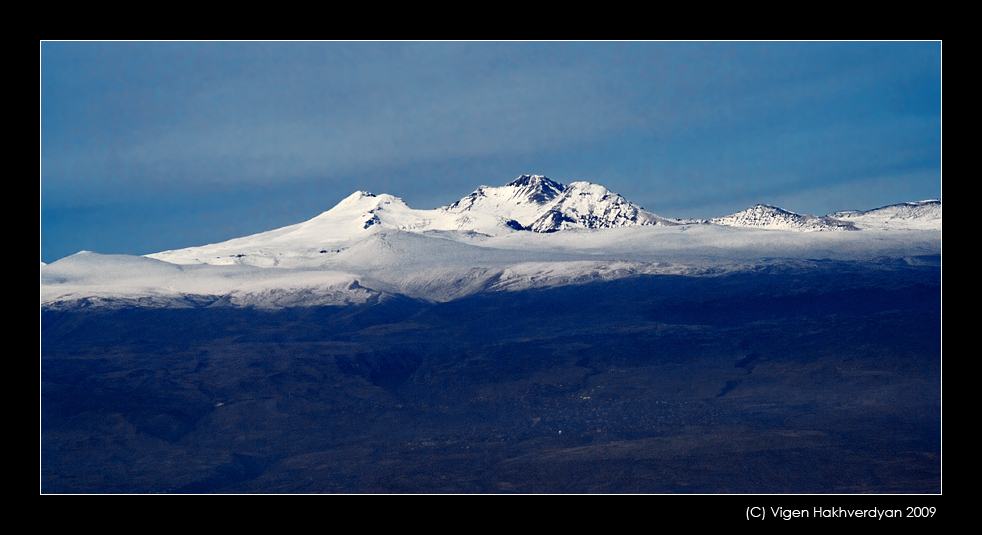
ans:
(921, 215)
(925, 215)
(536, 203)
(520, 202)
(771, 217)
(529, 203)
(531, 233)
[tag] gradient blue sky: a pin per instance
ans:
(149, 146)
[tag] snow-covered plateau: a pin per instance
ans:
(530, 233)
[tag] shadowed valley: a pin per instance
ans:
(824, 380)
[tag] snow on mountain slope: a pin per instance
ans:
(354, 218)
(770, 217)
(437, 269)
(357, 217)
(536, 203)
(531, 203)
(923, 215)
(530, 233)
(521, 201)
(586, 205)
(88, 278)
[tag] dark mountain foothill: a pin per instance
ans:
(823, 379)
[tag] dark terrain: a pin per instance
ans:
(818, 380)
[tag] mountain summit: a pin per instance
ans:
(537, 188)
(904, 216)
(539, 204)
(772, 217)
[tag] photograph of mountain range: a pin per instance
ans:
(537, 335)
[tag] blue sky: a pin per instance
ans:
(149, 146)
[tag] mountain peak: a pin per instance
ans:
(589, 205)
(771, 217)
(520, 200)
(358, 195)
(537, 189)
(909, 215)
(534, 180)
(539, 204)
